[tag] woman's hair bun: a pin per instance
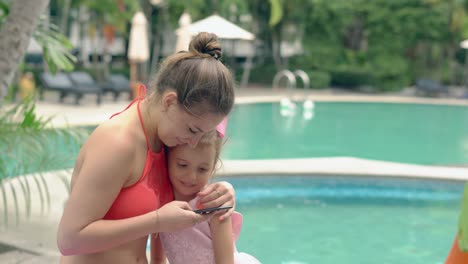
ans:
(206, 43)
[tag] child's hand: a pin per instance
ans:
(218, 194)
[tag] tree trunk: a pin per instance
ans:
(16, 34)
(64, 22)
(276, 50)
(452, 63)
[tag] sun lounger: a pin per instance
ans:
(116, 84)
(58, 82)
(83, 83)
(77, 83)
(429, 87)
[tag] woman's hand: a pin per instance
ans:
(218, 194)
(175, 216)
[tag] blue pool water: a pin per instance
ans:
(408, 133)
(359, 220)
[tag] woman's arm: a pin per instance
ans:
(104, 165)
(218, 194)
(223, 245)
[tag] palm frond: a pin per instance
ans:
(5, 202)
(15, 200)
(41, 193)
(27, 195)
(29, 145)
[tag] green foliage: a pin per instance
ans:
(378, 43)
(29, 145)
(20, 117)
(263, 74)
(109, 12)
(463, 222)
(351, 76)
(389, 72)
(55, 47)
(365, 42)
(276, 12)
(319, 79)
(4, 10)
(230, 8)
(198, 9)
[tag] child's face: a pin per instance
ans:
(190, 169)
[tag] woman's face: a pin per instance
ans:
(190, 169)
(179, 127)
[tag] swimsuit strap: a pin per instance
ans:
(143, 124)
(141, 95)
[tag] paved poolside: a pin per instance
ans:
(89, 113)
(38, 234)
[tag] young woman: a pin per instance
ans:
(120, 191)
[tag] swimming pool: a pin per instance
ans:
(342, 219)
(361, 220)
(408, 133)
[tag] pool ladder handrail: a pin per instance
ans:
(304, 77)
(291, 77)
(287, 102)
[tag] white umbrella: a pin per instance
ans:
(183, 34)
(219, 26)
(224, 30)
(464, 44)
(138, 50)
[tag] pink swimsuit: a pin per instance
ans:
(194, 245)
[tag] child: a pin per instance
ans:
(211, 241)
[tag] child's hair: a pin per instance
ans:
(203, 84)
(213, 139)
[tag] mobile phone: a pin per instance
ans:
(210, 210)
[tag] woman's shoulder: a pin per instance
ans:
(113, 137)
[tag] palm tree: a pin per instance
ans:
(28, 145)
(16, 33)
(30, 149)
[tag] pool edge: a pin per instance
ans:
(342, 166)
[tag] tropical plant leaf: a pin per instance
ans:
(4, 11)
(15, 200)
(463, 222)
(276, 13)
(41, 193)
(56, 47)
(5, 201)
(27, 195)
(29, 145)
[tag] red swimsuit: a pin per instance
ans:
(152, 190)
